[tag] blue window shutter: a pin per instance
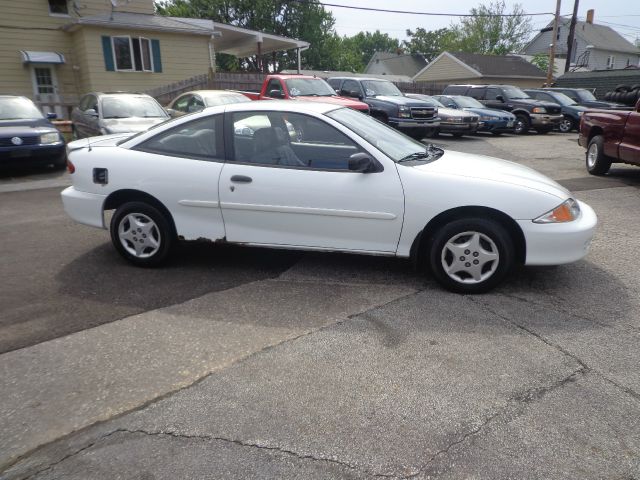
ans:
(108, 54)
(157, 59)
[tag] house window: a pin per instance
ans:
(611, 61)
(132, 54)
(58, 7)
(44, 80)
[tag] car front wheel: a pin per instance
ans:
(522, 125)
(141, 234)
(566, 125)
(471, 255)
(597, 162)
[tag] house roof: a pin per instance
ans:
(396, 64)
(600, 36)
(230, 39)
(499, 65)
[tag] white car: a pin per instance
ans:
(347, 183)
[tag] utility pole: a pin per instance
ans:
(572, 31)
(552, 53)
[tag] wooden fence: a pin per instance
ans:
(253, 81)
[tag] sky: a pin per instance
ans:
(621, 15)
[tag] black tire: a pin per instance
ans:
(596, 161)
(160, 230)
(523, 124)
(607, 96)
(492, 239)
(622, 88)
(635, 87)
(567, 124)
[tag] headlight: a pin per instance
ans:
(52, 137)
(568, 211)
(404, 112)
(539, 110)
(580, 114)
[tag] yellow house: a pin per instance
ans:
(54, 51)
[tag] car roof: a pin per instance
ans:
(139, 94)
(213, 92)
(285, 76)
(299, 106)
(360, 78)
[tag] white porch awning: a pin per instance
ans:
(30, 56)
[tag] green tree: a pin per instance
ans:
(431, 43)
(307, 21)
(365, 44)
(541, 60)
(489, 33)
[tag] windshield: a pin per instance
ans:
(391, 142)
(214, 100)
(380, 87)
(314, 87)
(586, 96)
(562, 99)
(514, 93)
(467, 102)
(430, 100)
(16, 108)
(125, 106)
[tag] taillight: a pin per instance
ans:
(70, 166)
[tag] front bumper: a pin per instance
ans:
(496, 126)
(32, 155)
(446, 127)
(83, 207)
(559, 243)
(545, 120)
(413, 123)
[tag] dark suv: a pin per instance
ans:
(541, 116)
(389, 105)
(585, 98)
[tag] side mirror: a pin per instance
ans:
(276, 93)
(361, 162)
(173, 113)
(91, 112)
(500, 98)
(52, 115)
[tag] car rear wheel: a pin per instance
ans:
(141, 234)
(566, 125)
(597, 162)
(471, 255)
(522, 124)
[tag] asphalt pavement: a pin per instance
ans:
(248, 363)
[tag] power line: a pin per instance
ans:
(434, 14)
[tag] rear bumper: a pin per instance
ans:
(559, 243)
(83, 207)
(32, 155)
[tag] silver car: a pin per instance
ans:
(197, 100)
(116, 112)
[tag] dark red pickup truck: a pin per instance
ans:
(303, 87)
(610, 136)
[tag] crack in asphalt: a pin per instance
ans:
(166, 395)
(513, 406)
(561, 349)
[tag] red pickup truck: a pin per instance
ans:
(610, 136)
(303, 87)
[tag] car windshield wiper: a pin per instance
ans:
(431, 153)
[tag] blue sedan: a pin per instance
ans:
(494, 121)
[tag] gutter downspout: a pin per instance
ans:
(300, 49)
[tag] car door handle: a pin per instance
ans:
(241, 179)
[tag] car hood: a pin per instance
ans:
(407, 101)
(131, 124)
(336, 100)
(488, 112)
(25, 126)
(494, 170)
(573, 108)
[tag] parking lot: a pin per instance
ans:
(247, 363)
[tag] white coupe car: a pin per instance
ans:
(345, 183)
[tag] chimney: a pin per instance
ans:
(590, 14)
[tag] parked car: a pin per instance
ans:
(302, 87)
(26, 136)
(610, 136)
(571, 111)
(389, 105)
(197, 100)
(455, 122)
(115, 112)
(350, 184)
(585, 98)
(542, 116)
(490, 120)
